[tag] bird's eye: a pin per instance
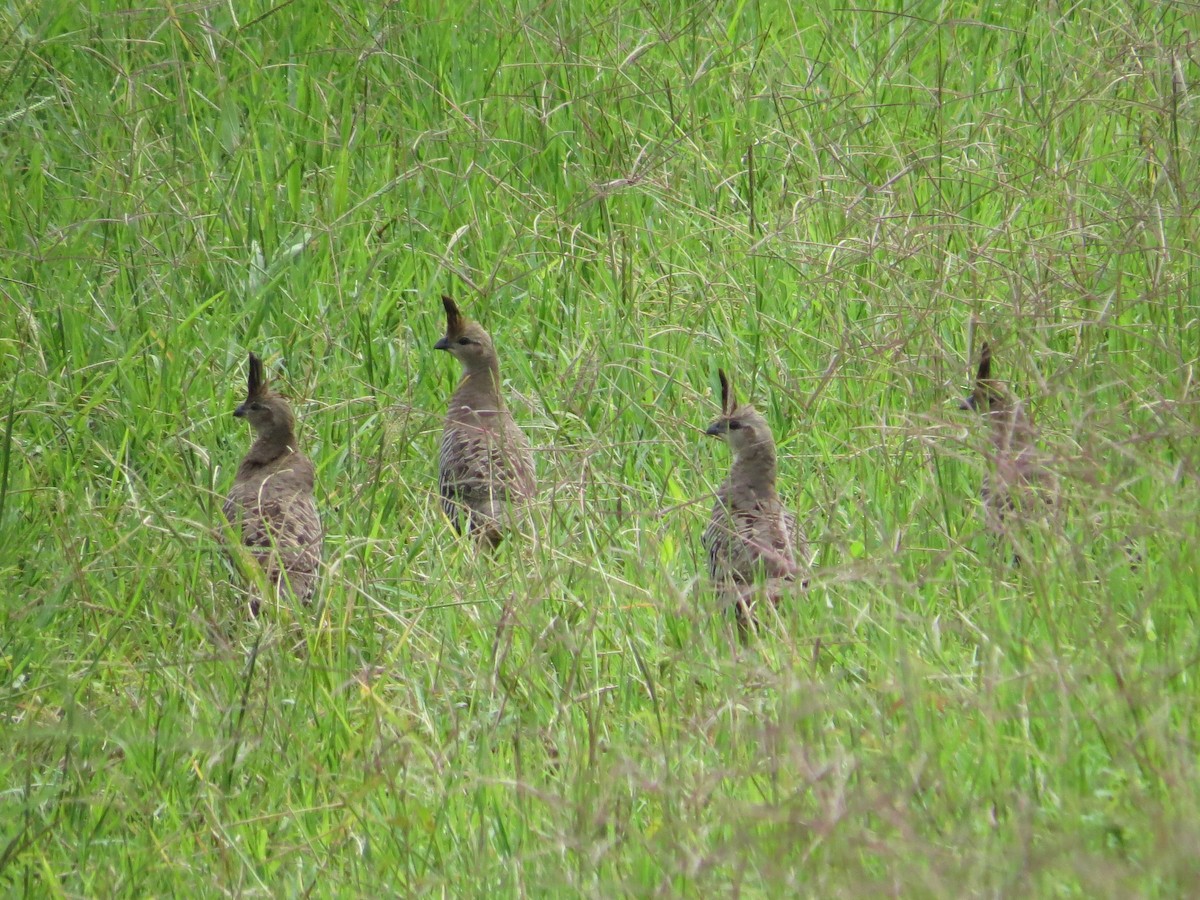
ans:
(735, 425)
(462, 342)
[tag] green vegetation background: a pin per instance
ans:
(838, 204)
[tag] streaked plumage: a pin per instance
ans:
(1016, 479)
(485, 465)
(271, 502)
(750, 538)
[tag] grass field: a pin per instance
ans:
(835, 203)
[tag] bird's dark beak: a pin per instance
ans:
(442, 344)
(717, 428)
(240, 412)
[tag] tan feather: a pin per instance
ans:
(485, 464)
(751, 538)
(271, 504)
(1017, 479)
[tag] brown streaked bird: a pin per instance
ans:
(271, 502)
(751, 537)
(1016, 479)
(485, 465)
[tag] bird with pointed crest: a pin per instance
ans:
(1016, 479)
(271, 505)
(751, 538)
(485, 464)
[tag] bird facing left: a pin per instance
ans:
(485, 464)
(750, 536)
(271, 505)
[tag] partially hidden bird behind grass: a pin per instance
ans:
(485, 465)
(751, 538)
(271, 505)
(1017, 480)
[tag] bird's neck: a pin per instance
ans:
(756, 468)
(480, 385)
(1011, 426)
(269, 446)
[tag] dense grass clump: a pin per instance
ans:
(837, 204)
